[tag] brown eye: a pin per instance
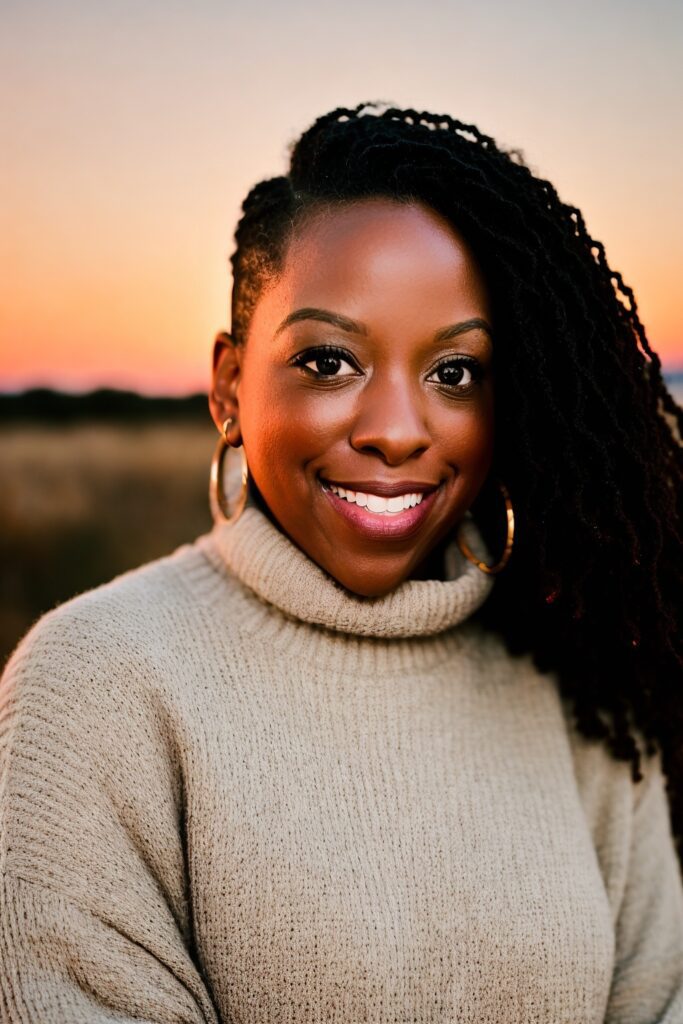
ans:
(325, 362)
(457, 373)
(326, 365)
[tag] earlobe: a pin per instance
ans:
(223, 402)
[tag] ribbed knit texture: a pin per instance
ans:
(233, 791)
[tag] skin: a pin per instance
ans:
(382, 412)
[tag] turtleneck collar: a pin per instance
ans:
(264, 558)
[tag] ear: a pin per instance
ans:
(223, 403)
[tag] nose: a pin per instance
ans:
(390, 420)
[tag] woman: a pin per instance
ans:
(390, 743)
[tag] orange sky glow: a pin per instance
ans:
(134, 135)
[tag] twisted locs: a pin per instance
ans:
(588, 437)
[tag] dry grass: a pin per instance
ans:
(80, 504)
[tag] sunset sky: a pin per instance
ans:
(132, 131)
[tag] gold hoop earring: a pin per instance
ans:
(217, 499)
(491, 570)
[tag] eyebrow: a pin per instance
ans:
(356, 327)
(453, 330)
(324, 315)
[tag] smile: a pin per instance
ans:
(376, 503)
(381, 516)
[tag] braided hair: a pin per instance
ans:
(588, 436)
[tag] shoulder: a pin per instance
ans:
(91, 729)
(105, 684)
(623, 815)
(605, 783)
(122, 631)
(605, 798)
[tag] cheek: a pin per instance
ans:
(285, 426)
(466, 441)
(467, 432)
(269, 433)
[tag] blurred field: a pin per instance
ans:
(82, 502)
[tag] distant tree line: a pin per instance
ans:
(104, 404)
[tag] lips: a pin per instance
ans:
(385, 523)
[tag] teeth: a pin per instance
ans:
(376, 502)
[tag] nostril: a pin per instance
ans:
(392, 452)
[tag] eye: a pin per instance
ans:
(325, 361)
(458, 373)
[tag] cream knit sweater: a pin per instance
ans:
(233, 791)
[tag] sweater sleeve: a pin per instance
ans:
(647, 986)
(95, 909)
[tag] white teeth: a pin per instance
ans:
(376, 502)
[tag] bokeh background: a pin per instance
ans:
(131, 133)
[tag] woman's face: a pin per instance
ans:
(364, 392)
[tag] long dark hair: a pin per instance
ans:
(588, 437)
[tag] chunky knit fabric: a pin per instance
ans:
(234, 792)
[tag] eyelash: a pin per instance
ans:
(312, 354)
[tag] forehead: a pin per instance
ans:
(379, 251)
(366, 228)
(399, 268)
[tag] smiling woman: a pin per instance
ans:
(373, 346)
(392, 741)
